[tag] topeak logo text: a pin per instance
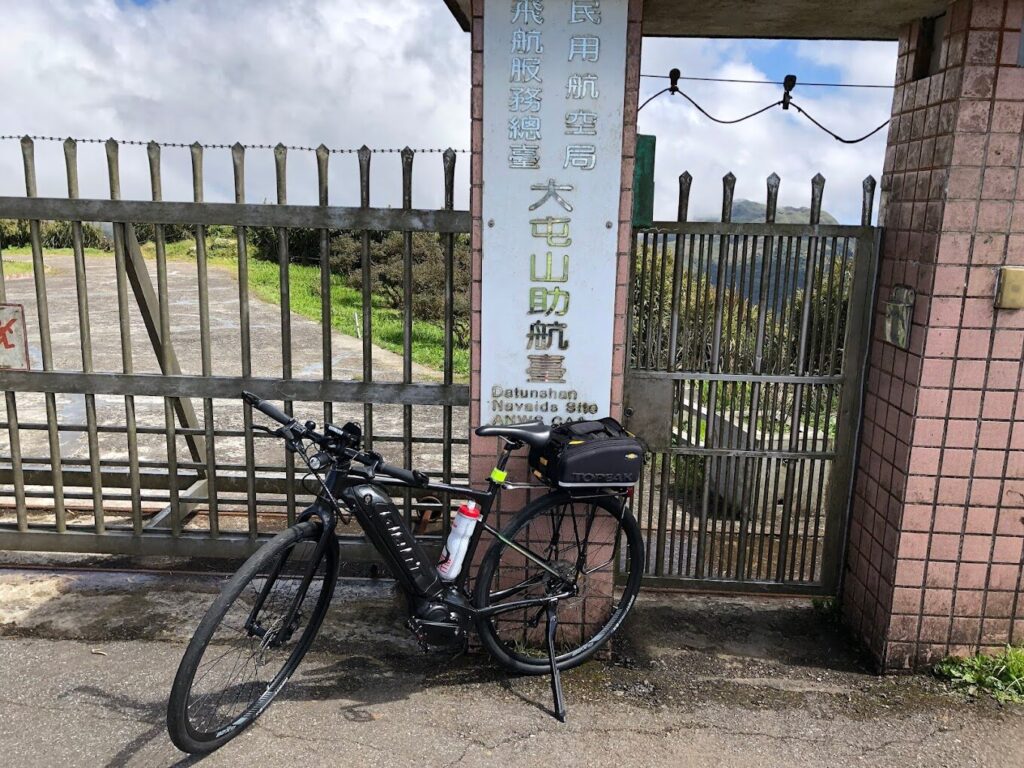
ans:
(603, 477)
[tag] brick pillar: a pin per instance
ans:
(937, 523)
(483, 451)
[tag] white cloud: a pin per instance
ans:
(386, 73)
(777, 141)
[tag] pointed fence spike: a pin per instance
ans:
(685, 181)
(868, 202)
(71, 165)
(817, 188)
(196, 150)
(280, 171)
(773, 198)
(407, 158)
(323, 156)
(153, 151)
(728, 190)
(113, 172)
(238, 167)
(364, 155)
(28, 156)
(448, 158)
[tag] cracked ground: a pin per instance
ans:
(86, 662)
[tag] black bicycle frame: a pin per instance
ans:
(341, 478)
(337, 481)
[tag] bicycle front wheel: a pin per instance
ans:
(575, 545)
(245, 649)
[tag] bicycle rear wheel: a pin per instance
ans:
(237, 661)
(585, 541)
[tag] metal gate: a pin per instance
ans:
(127, 435)
(747, 350)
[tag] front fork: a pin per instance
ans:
(328, 521)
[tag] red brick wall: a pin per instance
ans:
(937, 524)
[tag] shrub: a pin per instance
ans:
(52, 234)
(387, 261)
(59, 234)
(173, 233)
(303, 244)
(13, 233)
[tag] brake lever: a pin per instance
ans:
(371, 468)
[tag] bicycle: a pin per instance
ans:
(258, 629)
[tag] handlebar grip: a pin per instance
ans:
(411, 477)
(267, 408)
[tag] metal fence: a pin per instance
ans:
(747, 349)
(127, 435)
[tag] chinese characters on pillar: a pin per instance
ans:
(526, 131)
(558, 85)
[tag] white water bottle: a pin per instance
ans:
(454, 551)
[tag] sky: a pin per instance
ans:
(389, 73)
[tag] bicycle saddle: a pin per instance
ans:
(533, 434)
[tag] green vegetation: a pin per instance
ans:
(12, 268)
(1001, 675)
(52, 234)
(829, 609)
(346, 313)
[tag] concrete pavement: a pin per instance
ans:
(86, 661)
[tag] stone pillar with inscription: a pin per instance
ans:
(555, 85)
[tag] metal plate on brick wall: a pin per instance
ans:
(648, 404)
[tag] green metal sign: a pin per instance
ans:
(643, 182)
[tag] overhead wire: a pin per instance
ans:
(785, 102)
(834, 135)
(768, 82)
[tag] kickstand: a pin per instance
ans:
(556, 679)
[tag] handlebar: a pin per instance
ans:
(268, 408)
(409, 476)
(374, 461)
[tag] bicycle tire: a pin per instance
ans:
(517, 660)
(185, 735)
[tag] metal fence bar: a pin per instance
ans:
(202, 278)
(165, 349)
(84, 334)
(183, 386)
(367, 331)
(407, 159)
(127, 365)
(449, 322)
(322, 158)
(283, 261)
(244, 337)
(237, 215)
(45, 342)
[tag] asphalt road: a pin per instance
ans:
(86, 664)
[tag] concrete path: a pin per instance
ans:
(86, 662)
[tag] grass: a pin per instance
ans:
(1001, 675)
(304, 280)
(13, 268)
